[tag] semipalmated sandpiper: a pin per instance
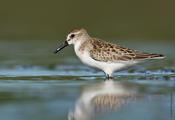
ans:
(104, 55)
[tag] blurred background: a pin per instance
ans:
(39, 85)
(121, 19)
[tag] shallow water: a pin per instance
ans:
(39, 85)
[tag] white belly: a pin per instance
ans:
(107, 67)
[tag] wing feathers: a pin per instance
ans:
(107, 52)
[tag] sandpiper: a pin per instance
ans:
(104, 55)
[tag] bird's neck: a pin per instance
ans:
(78, 44)
(79, 47)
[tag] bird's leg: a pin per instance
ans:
(108, 77)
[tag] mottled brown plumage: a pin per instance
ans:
(108, 52)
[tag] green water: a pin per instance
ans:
(122, 19)
(39, 85)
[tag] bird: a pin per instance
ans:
(103, 55)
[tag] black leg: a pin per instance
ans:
(107, 76)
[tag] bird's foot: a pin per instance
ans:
(109, 77)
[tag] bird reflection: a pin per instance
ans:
(101, 98)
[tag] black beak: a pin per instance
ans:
(61, 47)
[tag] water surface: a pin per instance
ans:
(39, 85)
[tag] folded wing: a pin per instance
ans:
(107, 52)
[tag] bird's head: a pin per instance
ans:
(74, 36)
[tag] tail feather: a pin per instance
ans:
(157, 56)
(144, 55)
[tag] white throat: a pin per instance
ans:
(77, 45)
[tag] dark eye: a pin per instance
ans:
(72, 36)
